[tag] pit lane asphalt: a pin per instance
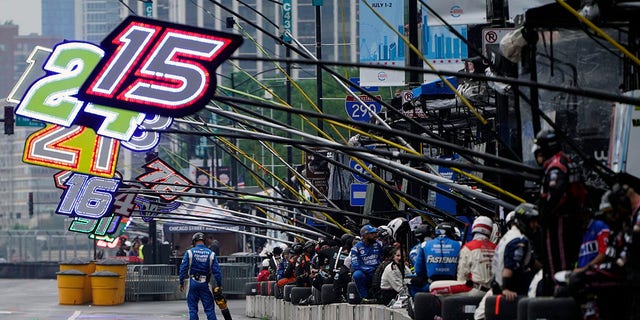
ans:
(37, 299)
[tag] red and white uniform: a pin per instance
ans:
(475, 261)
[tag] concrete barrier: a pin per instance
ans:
(266, 307)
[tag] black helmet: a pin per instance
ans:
(524, 213)
(297, 248)
(423, 230)
(198, 236)
(309, 244)
(547, 143)
(346, 240)
(447, 229)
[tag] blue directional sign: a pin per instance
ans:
(358, 194)
(357, 167)
(358, 112)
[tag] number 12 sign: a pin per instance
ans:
(156, 67)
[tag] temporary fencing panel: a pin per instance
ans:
(151, 279)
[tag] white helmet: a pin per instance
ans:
(398, 226)
(482, 225)
(384, 231)
(510, 217)
(265, 263)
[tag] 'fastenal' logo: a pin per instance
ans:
(456, 11)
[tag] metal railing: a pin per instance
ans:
(20, 246)
(151, 279)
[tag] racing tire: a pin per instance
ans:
(251, 288)
(327, 294)
(287, 291)
(299, 293)
(426, 306)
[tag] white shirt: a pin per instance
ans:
(392, 277)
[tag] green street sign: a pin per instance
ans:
(28, 122)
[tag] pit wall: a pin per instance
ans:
(270, 308)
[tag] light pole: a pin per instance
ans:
(318, 5)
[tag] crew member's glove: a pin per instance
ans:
(419, 281)
(217, 290)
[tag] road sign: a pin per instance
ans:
(359, 112)
(492, 36)
(357, 167)
(286, 20)
(358, 194)
(28, 122)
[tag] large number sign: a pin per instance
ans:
(157, 67)
(161, 177)
(95, 99)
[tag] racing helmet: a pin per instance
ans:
(384, 231)
(198, 236)
(297, 248)
(346, 240)
(524, 213)
(265, 263)
(423, 231)
(482, 225)
(446, 229)
(546, 142)
(309, 244)
(399, 227)
(511, 216)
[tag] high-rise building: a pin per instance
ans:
(17, 179)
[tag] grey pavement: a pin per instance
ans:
(37, 299)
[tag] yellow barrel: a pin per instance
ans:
(84, 265)
(71, 285)
(119, 267)
(104, 288)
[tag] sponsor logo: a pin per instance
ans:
(456, 11)
(432, 259)
(382, 76)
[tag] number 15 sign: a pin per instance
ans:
(158, 67)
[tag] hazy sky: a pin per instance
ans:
(24, 13)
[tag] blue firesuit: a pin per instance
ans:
(438, 259)
(364, 261)
(198, 264)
